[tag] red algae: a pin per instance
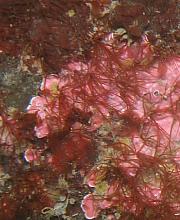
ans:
(101, 137)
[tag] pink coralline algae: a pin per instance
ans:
(31, 155)
(88, 87)
(100, 138)
(125, 84)
(89, 207)
(155, 142)
(92, 203)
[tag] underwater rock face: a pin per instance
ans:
(100, 138)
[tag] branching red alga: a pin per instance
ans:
(101, 138)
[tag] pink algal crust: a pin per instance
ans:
(89, 207)
(100, 96)
(155, 105)
(158, 107)
(92, 204)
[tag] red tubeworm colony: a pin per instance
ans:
(90, 115)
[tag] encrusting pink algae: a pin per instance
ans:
(100, 139)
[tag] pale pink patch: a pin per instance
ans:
(97, 120)
(77, 66)
(105, 204)
(46, 115)
(42, 129)
(140, 147)
(137, 52)
(151, 193)
(90, 207)
(31, 155)
(171, 126)
(116, 102)
(49, 82)
(37, 105)
(95, 175)
(130, 167)
(162, 83)
(128, 163)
